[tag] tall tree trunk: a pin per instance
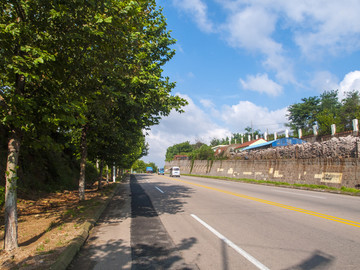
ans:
(83, 150)
(11, 224)
(101, 167)
(14, 142)
(107, 174)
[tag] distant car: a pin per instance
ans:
(174, 172)
(161, 171)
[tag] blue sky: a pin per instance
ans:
(243, 62)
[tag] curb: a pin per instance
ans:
(66, 257)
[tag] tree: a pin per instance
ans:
(303, 115)
(203, 153)
(329, 101)
(31, 95)
(215, 142)
(139, 166)
(184, 148)
(61, 59)
(139, 96)
(328, 112)
(325, 119)
(350, 109)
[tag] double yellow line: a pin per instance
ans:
(296, 209)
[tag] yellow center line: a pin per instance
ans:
(296, 209)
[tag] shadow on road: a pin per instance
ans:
(169, 202)
(318, 260)
(152, 247)
(106, 255)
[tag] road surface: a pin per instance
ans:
(198, 223)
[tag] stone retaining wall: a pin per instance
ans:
(334, 172)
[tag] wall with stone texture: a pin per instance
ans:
(334, 172)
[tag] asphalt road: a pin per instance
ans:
(220, 224)
(158, 222)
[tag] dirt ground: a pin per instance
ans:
(46, 225)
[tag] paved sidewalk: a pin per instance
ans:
(108, 245)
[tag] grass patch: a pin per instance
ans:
(40, 248)
(70, 212)
(61, 226)
(352, 191)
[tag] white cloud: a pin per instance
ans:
(262, 84)
(251, 28)
(207, 103)
(195, 124)
(198, 10)
(192, 125)
(325, 26)
(242, 115)
(350, 82)
(317, 28)
(324, 81)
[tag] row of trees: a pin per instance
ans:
(139, 166)
(198, 150)
(80, 75)
(237, 137)
(323, 111)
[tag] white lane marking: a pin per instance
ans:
(239, 250)
(159, 189)
(305, 195)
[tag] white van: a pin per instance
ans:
(174, 171)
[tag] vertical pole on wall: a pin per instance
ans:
(315, 130)
(355, 124)
(265, 136)
(333, 129)
(275, 136)
(300, 133)
(287, 133)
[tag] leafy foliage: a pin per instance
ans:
(203, 153)
(324, 111)
(183, 148)
(194, 151)
(89, 73)
(139, 166)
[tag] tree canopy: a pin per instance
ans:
(198, 150)
(87, 72)
(323, 111)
